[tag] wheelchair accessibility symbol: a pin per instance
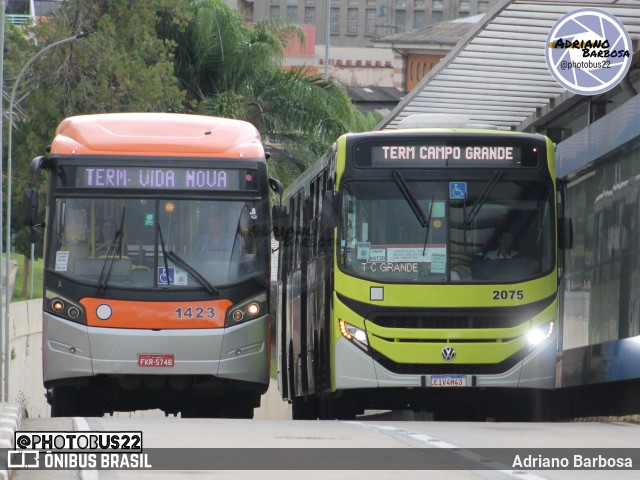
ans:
(457, 190)
(162, 275)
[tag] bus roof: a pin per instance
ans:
(157, 134)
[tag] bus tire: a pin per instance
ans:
(283, 371)
(240, 410)
(239, 407)
(304, 408)
(542, 402)
(291, 373)
(212, 408)
(324, 366)
(191, 412)
(64, 402)
(336, 409)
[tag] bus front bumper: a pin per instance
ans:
(357, 369)
(71, 350)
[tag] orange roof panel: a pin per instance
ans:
(157, 134)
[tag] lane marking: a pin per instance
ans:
(80, 424)
(422, 440)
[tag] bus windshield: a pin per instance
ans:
(156, 243)
(478, 231)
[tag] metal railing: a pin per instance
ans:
(19, 19)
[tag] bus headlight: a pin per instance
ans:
(350, 332)
(539, 334)
(251, 308)
(63, 307)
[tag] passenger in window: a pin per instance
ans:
(75, 230)
(74, 237)
(106, 236)
(398, 230)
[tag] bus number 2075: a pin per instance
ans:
(508, 294)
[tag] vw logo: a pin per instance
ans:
(448, 354)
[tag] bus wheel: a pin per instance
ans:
(291, 373)
(191, 412)
(213, 408)
(304, 409)
(336, 409)
(542, 403)
(64, 402)
(240, 405)
(240, 409)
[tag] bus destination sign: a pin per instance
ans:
(160, 178)
(410, 153)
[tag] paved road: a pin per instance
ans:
(278, 449)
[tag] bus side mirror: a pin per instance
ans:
(30, 207)
(38, 163)
(280, 221)
(276, 186)
(565, 233)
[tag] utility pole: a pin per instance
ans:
(327, 41)
(3, 356)
(8, 219)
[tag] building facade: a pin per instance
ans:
(356, 23)
(364, 34)
(418, 51)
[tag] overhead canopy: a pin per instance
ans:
(497, 74)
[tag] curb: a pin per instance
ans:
(10, 420)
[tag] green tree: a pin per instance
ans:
(233, 70)
(168, 55)
(217, 53)
(299, 116)
(121, 66)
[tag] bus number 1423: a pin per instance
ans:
(195, 312)
(508, 294)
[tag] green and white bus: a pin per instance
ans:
(393, 289)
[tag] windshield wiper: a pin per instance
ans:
(475, 209)
(426, 237)
(464, 224)
(114, 250)
(164, 255)
(411, 200)
(194, 273)
(415, 206)
(181, 263)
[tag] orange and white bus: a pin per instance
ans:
(139, 313)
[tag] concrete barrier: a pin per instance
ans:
(13, 271)
(11, 413)
(25, 358)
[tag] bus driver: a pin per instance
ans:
(504, 251)
(216, 234)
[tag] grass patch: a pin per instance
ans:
(38, 278)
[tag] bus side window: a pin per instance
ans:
(74, 236)
(75, 228)
(293, 238)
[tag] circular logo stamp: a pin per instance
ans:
(588, 51)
